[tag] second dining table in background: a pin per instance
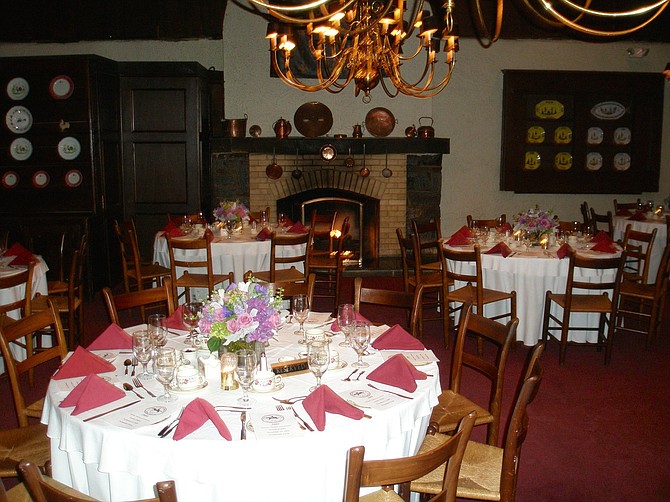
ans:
(650, 223)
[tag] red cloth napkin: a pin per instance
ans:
(176, 320)
(623, 212)
(209, 235)
(396, 338)
(506, 226)
(465, 231)
(82, 363)
(397, 371)
(604, 247)
(297, 228)
(336, 327)
(172, 230)
(323, 400)
(500, 248)
(288, 222)
(601, 236)
(113, 338)
(458, 239)
(196, 413)
(23, 256)
(263, 235)
(90, 393)
(637, 216)
(563, 251)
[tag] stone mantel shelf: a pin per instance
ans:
(312, 146)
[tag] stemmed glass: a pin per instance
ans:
(158, 331)
(318, 358)
(186, 224)
(245, 371)
(346, 320)
(301, 312)
(190, 317)
(360, 339)
(165, 366)
(142, 350)
(230, 226)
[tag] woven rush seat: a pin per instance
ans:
(23, 442)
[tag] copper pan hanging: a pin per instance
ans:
(274, 170)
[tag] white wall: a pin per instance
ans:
(468, 111)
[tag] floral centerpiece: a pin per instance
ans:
(536, 222)
(231, 210)
(240, 315)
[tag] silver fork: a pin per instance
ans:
(290, 400)
(138, 384)
(348, 379)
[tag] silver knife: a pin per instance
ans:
(110, 411)
(243, 418)
(390, 392)
(168, 428)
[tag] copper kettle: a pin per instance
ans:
(282, 128)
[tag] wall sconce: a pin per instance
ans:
(666, 73)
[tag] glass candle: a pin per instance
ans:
(228, 365)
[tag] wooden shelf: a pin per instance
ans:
(312, 146)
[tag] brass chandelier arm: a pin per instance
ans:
(484, 35)
(599, 13)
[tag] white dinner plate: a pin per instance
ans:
(69, 148)
(19, 119)
(61, 87)
(21, 149)
(18, 88)
(73, 178)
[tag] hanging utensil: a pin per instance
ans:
(274, 170)
(297, 172)
(386, 172)
(349, 161)
(364, 172)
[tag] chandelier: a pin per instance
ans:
(364, 41)
(581, 17)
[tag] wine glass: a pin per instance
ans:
(360, 339)
(142, 350)
(158, 332)
(318, 358)
(346, 319)
(230, 226)
(186, 224)
(264, 218)
(281, 220)
(165, 365)
(301, 312)
(190, 317)
(245, 371)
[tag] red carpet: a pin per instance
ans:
(597, 433)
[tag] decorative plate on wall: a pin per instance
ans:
(21, 149)
(19, 119)
(73, 178)
(69, 148)
(40, 179)
(61, 87)
(18, 88)
(10, 179)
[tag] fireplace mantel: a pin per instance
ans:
(312, 146)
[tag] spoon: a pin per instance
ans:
(127, 364)
(129, 388)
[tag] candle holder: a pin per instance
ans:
(228, 365)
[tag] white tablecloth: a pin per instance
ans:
(658, 246)
(239, 254)
(110, 463)
(530, 273)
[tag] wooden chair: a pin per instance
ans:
(586, 213)
(641, 305)
(70, 306)
(631, 207)
(193, 254)
(59, 285)
(638, 245)
(43, 489)
(160, 298)
(570, 226)
(485, 465)
(667, 229)
(388, 298)
(256, 215)
(585, 275)
(279, 243)
(4, 241)
(430, 274)
(453, 405)
(329, 265)
(23, 279)
(135, 269)
(605, 220)
(446, 456)
(291, 289)
(473, 291)
(483, 223)
(322, 225)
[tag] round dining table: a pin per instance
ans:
(531, 272)
(239, 254)
(108, 460)
(650, 223)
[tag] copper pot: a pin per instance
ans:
(235, 128)
(426, 131)
(282, 128)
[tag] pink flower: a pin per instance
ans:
(274, 319)
(233, 325)
(245, 320)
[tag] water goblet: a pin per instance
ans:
(165, 365)
(142, 350)
(158, 332)
(186, 224)
(230, 227)
(318, 359)
(246, 371)
(360, 339)
(300, 313)
(190, 317)
(264, 218)
(346, 320)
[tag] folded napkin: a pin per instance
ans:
(604, 247)
(82, 363)
(23, 256)
(172, 229)
(637, 216)
(601, 236)
(196, 413)
(500, 248)
(397, 371)
(90, 393)
(623, 212)
(297, 228)
(465, 231)
(114, 337)
(458, 239)
(209, 235)
(396, 338)
(336, 327)
(563, 251)
(176, 320)
(323, 400)
(505, 227)
(288, 222)
(263, 235)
